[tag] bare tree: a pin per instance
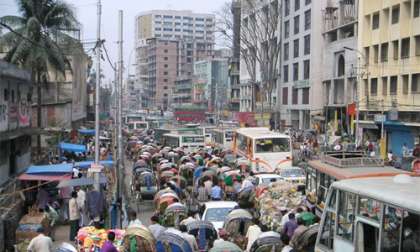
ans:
(259, 42)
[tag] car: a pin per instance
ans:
(292, 174)
(216, 212)
(264, 179)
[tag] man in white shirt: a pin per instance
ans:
(81, 202)
(253, 232)
(133, 220)
(41, 243)
(156, 228)
(208, 184)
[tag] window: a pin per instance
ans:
(295, 93)
(384, 52)
(305, 95)
(346, 214)
(165, 73)
(374, 87)
(366, 87)
(165, 58)
(158, 29)
(384, 86)
(297, 5)
(391, 228)
(416, 8)
(415, 83)
(393, 85)
(395, 49)
(395, 14)
(307, 45)
(307, 2)
(165, 66)
(286, 73)
(307, 20)
(286, 29)
(295, 71)
(286, 7)
(285, 95)
(375, 21)
(286, 51)
(165, 51)
(367, 55)
(341, 66)
(375, 53)
(417, 44)
(165, 87)
(165, 80)
(405, 48)
(306, 69)
(405, 84)
(296, 48)
(327, 232)
(296, 25)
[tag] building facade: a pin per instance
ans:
(234, 65)
(301, 60)
(339, 73)
(389, 41)
(191, 33)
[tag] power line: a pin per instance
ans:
(107, 57)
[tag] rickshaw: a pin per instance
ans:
(174, 214)
(166, 200)
(172, 242)
(148, 183)
(187, 171)
(306, 240)
(267, 242)
(225, 246)
(139, 238)
(236, 225)
(204, 233)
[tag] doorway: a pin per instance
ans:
(367, 236)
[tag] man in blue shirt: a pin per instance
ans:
(216, 192)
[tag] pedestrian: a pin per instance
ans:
(290, 226)
(202, 194)
(405, 151)
(252, 235)
(294, 241)
(155, 227)
(74, 215)
(133, 219)
(216, 193)
(208, 184)
(95, 203)
(81, 203)
(109, 244)
(285, 240)
(188, 220)
(190, 238)
(52, 216)
(41, 242)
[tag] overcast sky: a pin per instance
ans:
(86, 13)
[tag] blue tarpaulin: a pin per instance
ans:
(72, 147)
(86, 164)
(89, 132)
(53, 169)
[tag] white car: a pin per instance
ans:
(266, 178)
(292, 174)
(216, 212)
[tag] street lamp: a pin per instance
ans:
(357, 93)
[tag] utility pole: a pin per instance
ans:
(120, 88)
(97, 87)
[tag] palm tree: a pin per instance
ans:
(33, 41)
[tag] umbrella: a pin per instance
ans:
(225, 246)
(80, 182)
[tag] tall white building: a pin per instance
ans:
(300, 82)
(194, 34)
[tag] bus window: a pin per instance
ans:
(411, 232)
(367, 237)
(391, 229)
(369, 208)
(333, 200)
(241, 142)
(272, 145)
(131, 126)
(327, 234)
(346, 214)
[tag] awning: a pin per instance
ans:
(72, 147)
(89, 132)
(81, 182)
(50, 169)
(33, 177)
(87, 164)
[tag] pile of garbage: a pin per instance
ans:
(276, 197)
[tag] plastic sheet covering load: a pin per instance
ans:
(278, 195)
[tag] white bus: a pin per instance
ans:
(138, 125)
(371, 214)
(267, 150)
(190, 143)
(223, 137)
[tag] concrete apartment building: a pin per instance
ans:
(234, 64)
(188, 36)
(340, 65)
(389, 40)
(301, 67)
